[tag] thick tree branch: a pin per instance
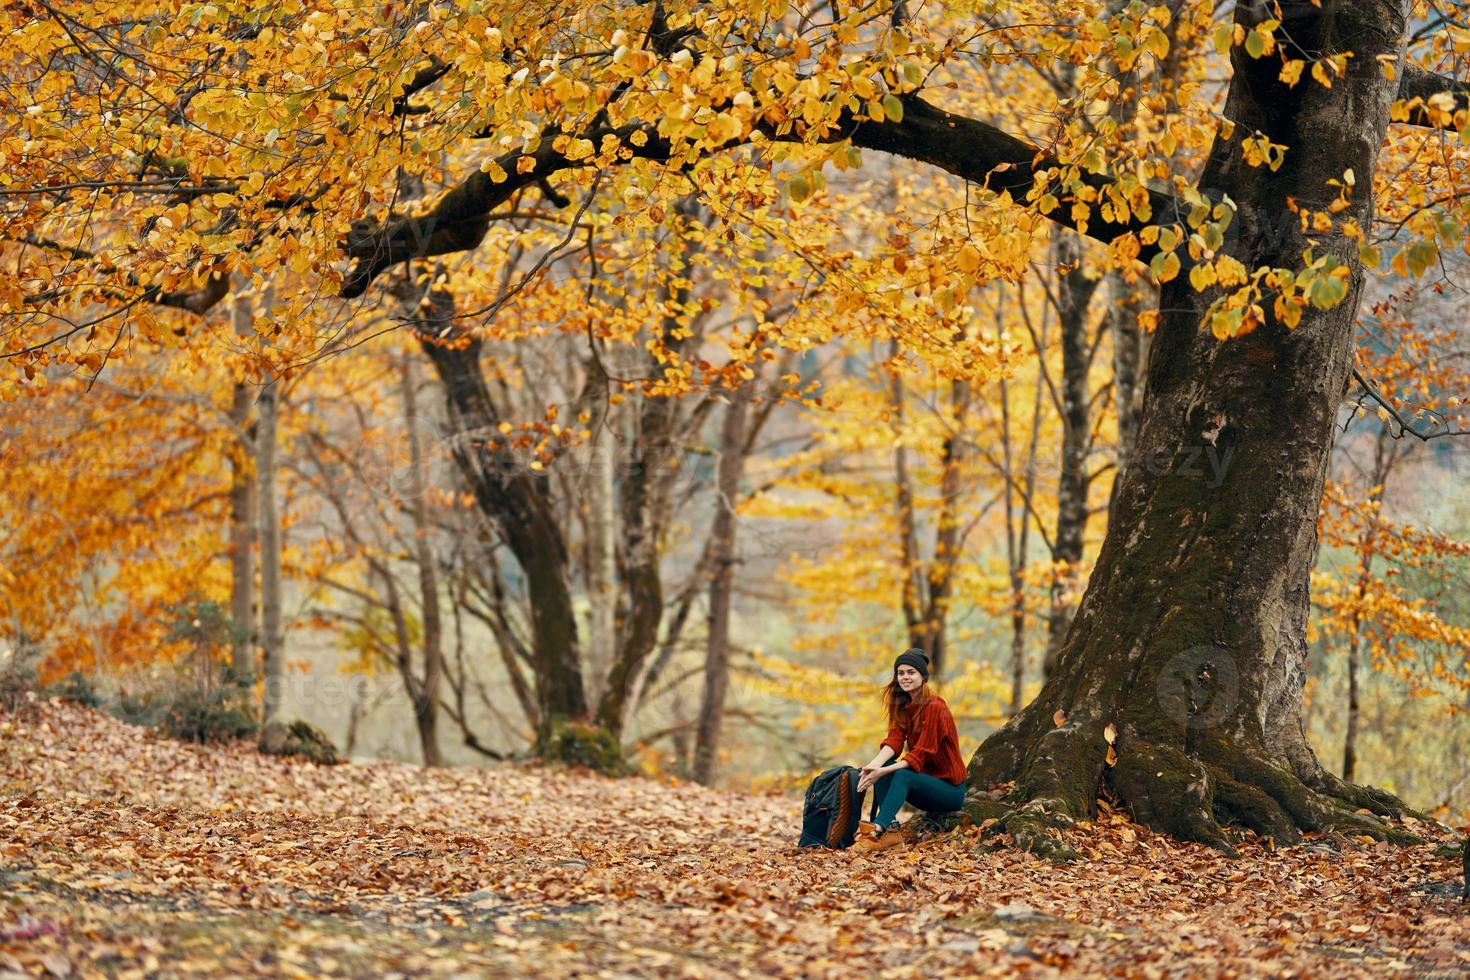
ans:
(197, 301)
(462, 216)
(968, 148)
(991, 157)
(425, 77)
(1421, 83)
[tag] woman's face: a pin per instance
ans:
(909, 679)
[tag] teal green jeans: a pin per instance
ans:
(928, 793)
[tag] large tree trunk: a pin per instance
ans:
(1191, 638)
(722, 559)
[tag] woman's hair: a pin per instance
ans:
(896, 700)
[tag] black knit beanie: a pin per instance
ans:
(916, 659)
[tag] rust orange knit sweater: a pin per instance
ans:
(933, 743)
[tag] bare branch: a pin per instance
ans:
(1406, 426)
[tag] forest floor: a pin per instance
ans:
(124, 854)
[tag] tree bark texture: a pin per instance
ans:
(1130, 353)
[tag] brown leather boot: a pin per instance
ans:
(868, 843)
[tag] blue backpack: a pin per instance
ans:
(833, 809)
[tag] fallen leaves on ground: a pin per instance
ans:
(125, 854)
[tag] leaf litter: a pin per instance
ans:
(125, 854)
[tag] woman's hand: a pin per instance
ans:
(869, 775)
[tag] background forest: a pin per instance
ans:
(757, 422)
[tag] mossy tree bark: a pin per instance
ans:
(1191, 638)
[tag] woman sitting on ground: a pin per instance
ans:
(931, 774)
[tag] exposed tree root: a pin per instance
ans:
(1309, 809)
(1246, 805)
(1381, 802)
(1172, 791)
(1031, 829)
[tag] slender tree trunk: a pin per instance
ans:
(1385, 454)
(602, 565)
(1130, 347)
(645, 505)
(426, 694)
(679, 734)
(271, 629)
(1190, 643)
(673, 632)
(1350, 737)
(1074, 295)
(722, 561)
(643, 514)
(911, 601)
(356, 710)
(513, 653)
(243, 494)
(947, 543)
(517, 499)
(1018, 537)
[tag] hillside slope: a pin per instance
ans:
(125, 854)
